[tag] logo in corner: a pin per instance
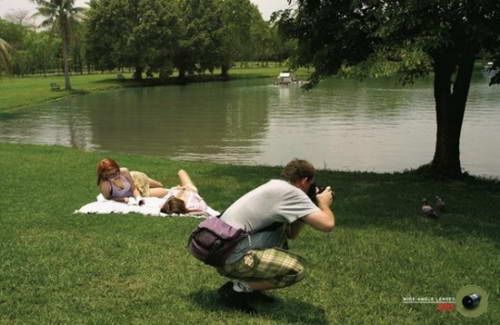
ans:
(472, 301)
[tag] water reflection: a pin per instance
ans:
(219, 121)
(343, 124)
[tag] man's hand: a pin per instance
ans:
(326, 197)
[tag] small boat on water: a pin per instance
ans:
(488, 70)
(285, 78)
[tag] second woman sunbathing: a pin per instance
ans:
(184, 198)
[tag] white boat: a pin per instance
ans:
(488, 70)
(285, 78)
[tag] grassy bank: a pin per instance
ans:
(58, 267)
(19, 92)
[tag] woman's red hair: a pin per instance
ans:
(105, 165)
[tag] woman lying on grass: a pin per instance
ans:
(120, 185)
(184, 198)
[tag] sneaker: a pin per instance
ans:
(235, 300)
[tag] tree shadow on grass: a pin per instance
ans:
(393, 202)
(472, 214)
(287, 311)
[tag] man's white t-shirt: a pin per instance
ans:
(276, 201)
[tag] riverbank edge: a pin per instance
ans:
(416, 173)
(238, 74)
(64, 94)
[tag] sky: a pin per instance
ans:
(266, 7)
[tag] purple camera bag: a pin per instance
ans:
(213, 240)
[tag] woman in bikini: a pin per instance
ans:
(120, 185)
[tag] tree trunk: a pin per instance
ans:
(182, 73)
(138, 73)
(450, 108)
(225, 71)
(65, 36)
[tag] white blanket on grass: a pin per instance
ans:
(151, 207)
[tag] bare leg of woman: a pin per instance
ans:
(186, 180)
(154, 183)
(158, 192)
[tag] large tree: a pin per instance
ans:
(238, 17)
(200, 36)
(60, 15)
(134, 33)
(41, 51)
(4, 54)
(412, 38)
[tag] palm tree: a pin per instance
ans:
(60, 15)
(4, 54)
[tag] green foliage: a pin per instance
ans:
(158, 32)
(107, 29)
(238, 17)
(200, 38)
(11, 38)
(60, 16)
(41, 52)
(60, 267)
(191, 35)
(4, 55)
(404, 38)
(132, 33)
(407, 63)
(149, 35)
(12, 33)
(30, 51)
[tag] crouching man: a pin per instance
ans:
(271, 213)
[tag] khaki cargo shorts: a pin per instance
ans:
(275, 265)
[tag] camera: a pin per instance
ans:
(312, 192)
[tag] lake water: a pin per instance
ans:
(343, 124)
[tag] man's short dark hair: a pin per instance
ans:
(298, 169)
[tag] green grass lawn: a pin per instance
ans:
(60, 267)
(19, 92)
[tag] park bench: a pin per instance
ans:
(120, 77)
(54, 87)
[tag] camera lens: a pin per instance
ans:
(471, 301)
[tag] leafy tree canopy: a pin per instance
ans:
(12, 33)
(403, 37)
(132, 33)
